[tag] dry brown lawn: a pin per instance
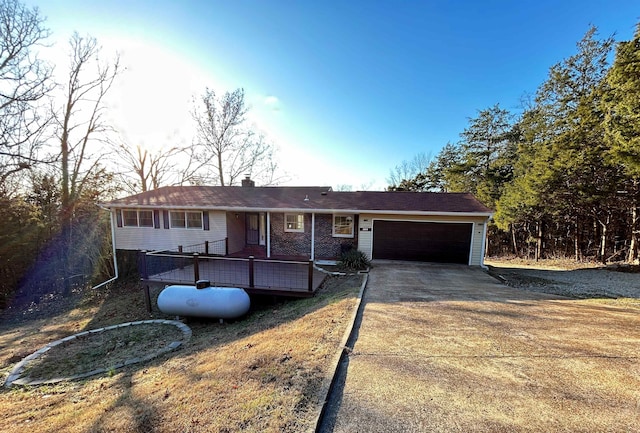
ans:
(265, 373)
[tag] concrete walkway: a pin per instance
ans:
(448, 348)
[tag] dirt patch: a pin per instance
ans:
(570, 279)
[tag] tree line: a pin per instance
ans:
(60, 157)
(563, 175)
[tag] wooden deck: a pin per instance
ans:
(272, 277)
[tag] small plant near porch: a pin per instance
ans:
(354, 260)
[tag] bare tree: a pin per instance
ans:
(81, 130)
(80, 121)
(366, 186)
(25, 80)
(146, 169)
(343, 187)
(408, 169)
(225, 149)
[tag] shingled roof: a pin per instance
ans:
(302, 198)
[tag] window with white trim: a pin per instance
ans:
(294, 222)
(185, 219)
(145, 218)
(137, 218)
(343, 226)
(130, 218)
(194, 220)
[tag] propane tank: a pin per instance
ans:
(203, 300)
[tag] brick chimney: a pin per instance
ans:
(247, 182)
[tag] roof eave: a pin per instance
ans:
(426, 213)
(306, 210)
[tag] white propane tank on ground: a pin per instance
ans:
(203, 300)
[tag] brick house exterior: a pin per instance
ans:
(289, 244)
(326, 246)
(303, 222)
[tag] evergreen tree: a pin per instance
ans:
(621, 106)
(562, 174)
(488, 149)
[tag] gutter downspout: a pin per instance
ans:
(268, 235)
(313, 236)
(113, 248)
(484, 242)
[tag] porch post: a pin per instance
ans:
(196, 267)
(147, 298)
(310, 280)
(313, 236)
(142, 265)
(268, 235)
(251, 276)
(144, 275)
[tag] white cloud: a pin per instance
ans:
(272, 102)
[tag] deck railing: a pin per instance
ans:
(250, 273)
(215, 248)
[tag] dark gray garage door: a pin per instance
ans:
(422, 241)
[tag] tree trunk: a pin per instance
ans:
(66, 201)
(220, 170)
(514, 241)
(539, 241)
(603, 241)
(576, 241)
(635, 235)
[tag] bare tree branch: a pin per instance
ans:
(25, 80)
(145, 170)
(408, 169)
(225, 149)
(80, 121)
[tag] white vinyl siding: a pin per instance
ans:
(365, 233)
(133, 238)
(477, 244)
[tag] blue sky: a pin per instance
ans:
(345, 89)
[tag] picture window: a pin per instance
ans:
(343, 226)
(184, 219)
(137, 218)
(294, 222)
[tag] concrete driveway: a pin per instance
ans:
(448, 348)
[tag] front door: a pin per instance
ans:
(253, 229)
